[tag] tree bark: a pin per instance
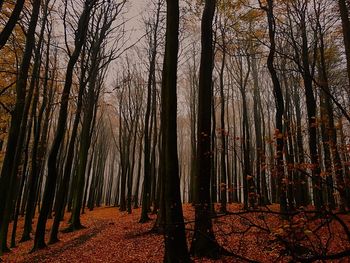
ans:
(14, 147)
(146, 192)
(174, 234)
(344, 15)
(11, 23)
(39, 241)
(277, 91)
(203, 242)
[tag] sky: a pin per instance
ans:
(134, 30)
(134, 13)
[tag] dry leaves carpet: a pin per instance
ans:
(114, 236)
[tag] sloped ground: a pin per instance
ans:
(113, 236)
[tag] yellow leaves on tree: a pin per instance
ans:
(10, 55)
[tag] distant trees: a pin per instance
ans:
(98, 59)
(130, 97)
(153, 26)
(255, 118)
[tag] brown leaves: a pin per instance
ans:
(113, 236)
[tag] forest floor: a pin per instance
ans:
(114, 236)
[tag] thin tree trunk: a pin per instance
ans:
(344, 15)
(269, 9)
(146, 192)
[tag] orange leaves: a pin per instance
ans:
(278, 134)
(114, 236)
(110, 236)
(323, 174)
(305, 166)
(249, 177)
(293, 230)
(253, 15)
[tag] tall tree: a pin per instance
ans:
(49, 191)
(277, 91)
(64, 185)
(345, 20)
(298, 13)
(329, 133)
(174, 234)
(14, 147)
(203, 242)
(153, 42)
(223, 135)
(35, 169)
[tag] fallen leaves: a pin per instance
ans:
(113, 236)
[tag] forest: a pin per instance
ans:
(175, 131)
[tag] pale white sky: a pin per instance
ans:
(134, 30)
(135, 10)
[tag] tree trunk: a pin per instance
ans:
(277, 91)
(39, 241)
(174, 234)
(203, 242)
(11, 23)
(146, 192)
(311, 113)
(344, 15)
(14, 147)
(63, 188)
(223, 180)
